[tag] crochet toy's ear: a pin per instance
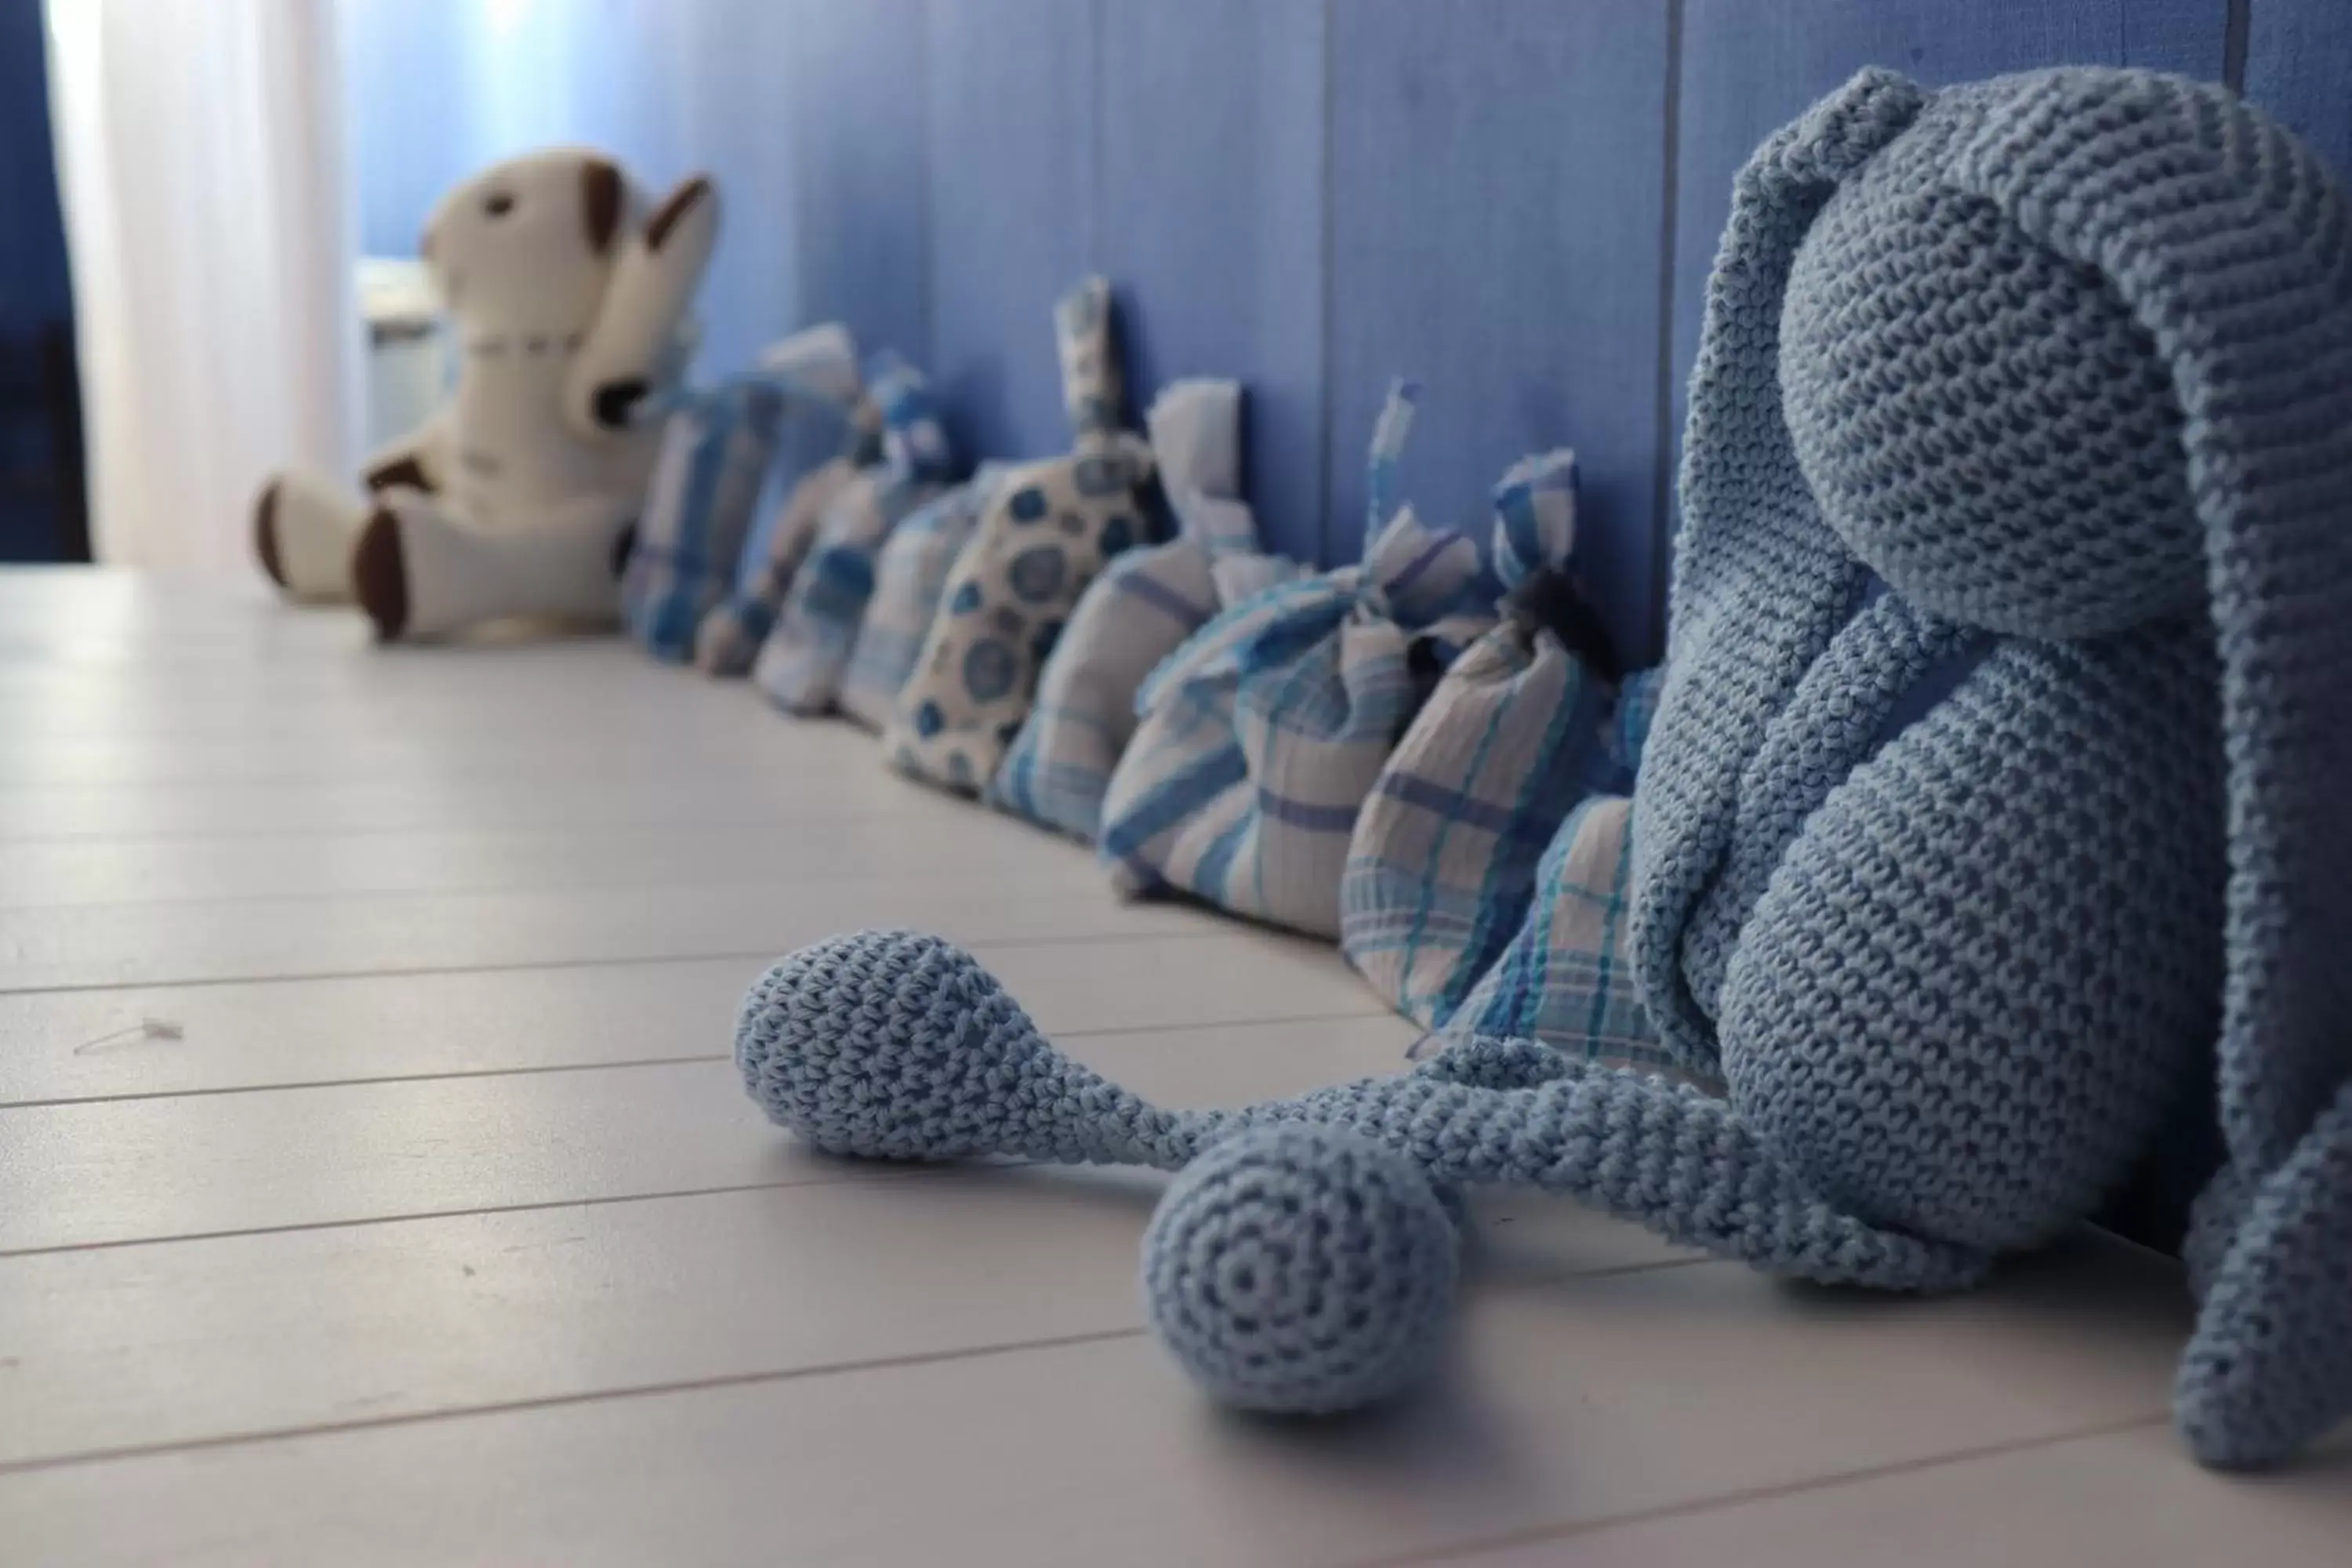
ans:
(2270, 1367)
(645, 301)
(1300, 1269)
(1760, 581)
(895, 1046)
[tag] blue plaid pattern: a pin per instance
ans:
(910, 578)
(1567, 979)
(718, 445)
(801, 665)
(1443, 861)
(1137, 612)
(1637, 703)
(1263, 735)
(715, 452)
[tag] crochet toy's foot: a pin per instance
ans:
(1301, 1268)
(895, 1046)
(380, 575)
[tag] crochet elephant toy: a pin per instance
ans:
(570, 305)
(1989, 831)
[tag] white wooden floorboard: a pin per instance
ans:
(230, 1337)
(1582, 1399)
(375, 1187)
(293, 938)
(2116, 1499)
(181, 1039)
(103, 1172)
(47, 873)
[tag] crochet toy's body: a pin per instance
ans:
(568, 304)
(1987, 825)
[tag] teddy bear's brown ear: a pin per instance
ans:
(600, 202)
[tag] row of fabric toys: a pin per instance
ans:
(1385, 754)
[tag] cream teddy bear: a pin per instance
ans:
(517, 498)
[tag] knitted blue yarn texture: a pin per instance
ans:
(2045, 380)
(2065, 361)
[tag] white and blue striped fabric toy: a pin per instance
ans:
(800, 666)
(718, 445)
(1261, 736)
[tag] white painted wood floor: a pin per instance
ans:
(373, 1188)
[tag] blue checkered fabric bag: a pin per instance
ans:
(801, 665)
(910, 578)
(718, 445)
(1443, 862)
(1566, 978)
(1261, 737)
(1139, 610)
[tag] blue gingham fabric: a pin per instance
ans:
(1443, 862)
(910, 578)
(718, 444)
(1566, 978)
(1261, 737)
(730, 634)
(1012, 589)
(1138, 612)
(800, 666)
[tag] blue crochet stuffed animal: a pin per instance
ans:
(1988, 830)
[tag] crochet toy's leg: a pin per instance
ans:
(420, 572)
(1299, 1268)
(303, 526)
(2270, 1367)
(895, 1046)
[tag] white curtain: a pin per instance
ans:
(200, 159)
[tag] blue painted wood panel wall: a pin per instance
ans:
(1516, 200)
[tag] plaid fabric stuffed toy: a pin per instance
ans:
(730, 635)
(1041, 542)
(1261, 736)
(716, 448)
(800, 666)
(910, 578)
(1136, 613)
(1443, 862)
(1566, 978)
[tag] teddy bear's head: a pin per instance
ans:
(528, 245)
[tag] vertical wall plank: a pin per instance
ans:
(1495, 232)
(1212, 222)
(856, 101)
(1010, 145)
(1750, 68)
(2299, 67)
(730, 51)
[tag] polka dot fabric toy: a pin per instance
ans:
(1048, 533)
(1137, 612)
(2100, 881)
(910, 578)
